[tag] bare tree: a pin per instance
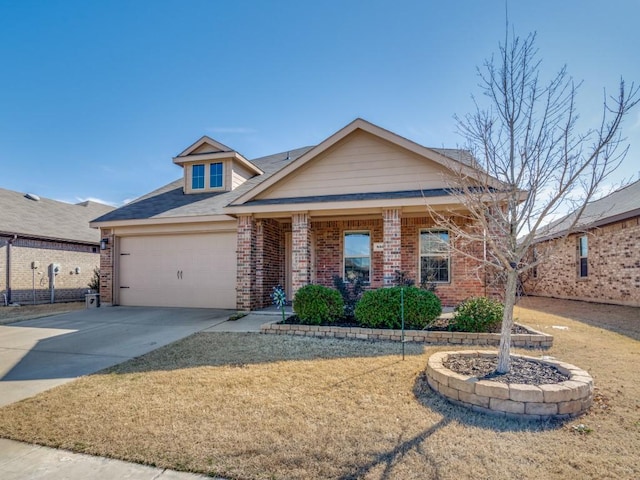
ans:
(533, 164)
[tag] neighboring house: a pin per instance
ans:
(231, 229)
(600, 260)
(37, 234)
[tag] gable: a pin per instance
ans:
(360, 163)
(206, 148)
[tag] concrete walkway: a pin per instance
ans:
(21, 461)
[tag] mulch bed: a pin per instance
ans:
(440, 325)
(524, 371)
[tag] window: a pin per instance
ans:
(357, 256)
(215, 175)
(197, 176)
(583, 250)
(434, 256)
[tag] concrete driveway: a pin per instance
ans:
(36, 355)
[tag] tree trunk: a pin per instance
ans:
(504, 355)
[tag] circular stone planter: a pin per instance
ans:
(535, 402)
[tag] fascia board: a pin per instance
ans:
(162, 221)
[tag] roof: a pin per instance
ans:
(459, 160)
(48, 219)
(619, 205)
(170, 201)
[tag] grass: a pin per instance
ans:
(29, 312)
(247, 406)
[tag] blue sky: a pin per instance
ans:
(96, 97)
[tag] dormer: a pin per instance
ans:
(210, 166)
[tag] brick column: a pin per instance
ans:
(301, 251)
(106, 268)
(246, 258)
(392, 255)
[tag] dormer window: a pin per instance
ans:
(197, 177)
(210, 166)
(215, 175)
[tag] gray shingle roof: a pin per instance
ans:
(49, 219)
(619, 205)
(170, 201)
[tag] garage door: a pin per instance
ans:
(178, 270)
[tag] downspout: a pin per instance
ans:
(9, 244)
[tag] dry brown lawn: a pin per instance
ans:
(28, 312)
(250, 406)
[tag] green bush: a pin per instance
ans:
(315, 305)
(478, 314)
(381, 308)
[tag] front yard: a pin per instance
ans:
(251, 406)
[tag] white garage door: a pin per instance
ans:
(196, 270)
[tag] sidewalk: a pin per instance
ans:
(22, 461)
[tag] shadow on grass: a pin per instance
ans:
(242, 349)
(394, 456)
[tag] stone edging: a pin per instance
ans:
(533, 340)
(558, 400)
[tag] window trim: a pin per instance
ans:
(420, 255)
(344, 253)
(582, 256)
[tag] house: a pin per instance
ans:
(36, 236)
(600, 260)
(230, 229)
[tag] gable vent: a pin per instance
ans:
(32, 196)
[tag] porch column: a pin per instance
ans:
(300, 251)
(246, 263)
(392, 255)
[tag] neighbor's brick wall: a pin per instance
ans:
(613, 267)
(69, 285)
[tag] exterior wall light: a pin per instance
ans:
(103, 243)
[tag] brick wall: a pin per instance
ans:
(329, 241)
(269, 260)
(106, 268)
(613, 267)
(467, 276)
(77, 262)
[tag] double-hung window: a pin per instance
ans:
(583, 250)
(197, 176)
(357, 256)
(215, 175)
(435, 258)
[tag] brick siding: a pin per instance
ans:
(613, 266)
(34, 285)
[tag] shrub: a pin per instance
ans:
(381, 308)
(351, 292)
(94, 283)
(315, 304)
(478, 314)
